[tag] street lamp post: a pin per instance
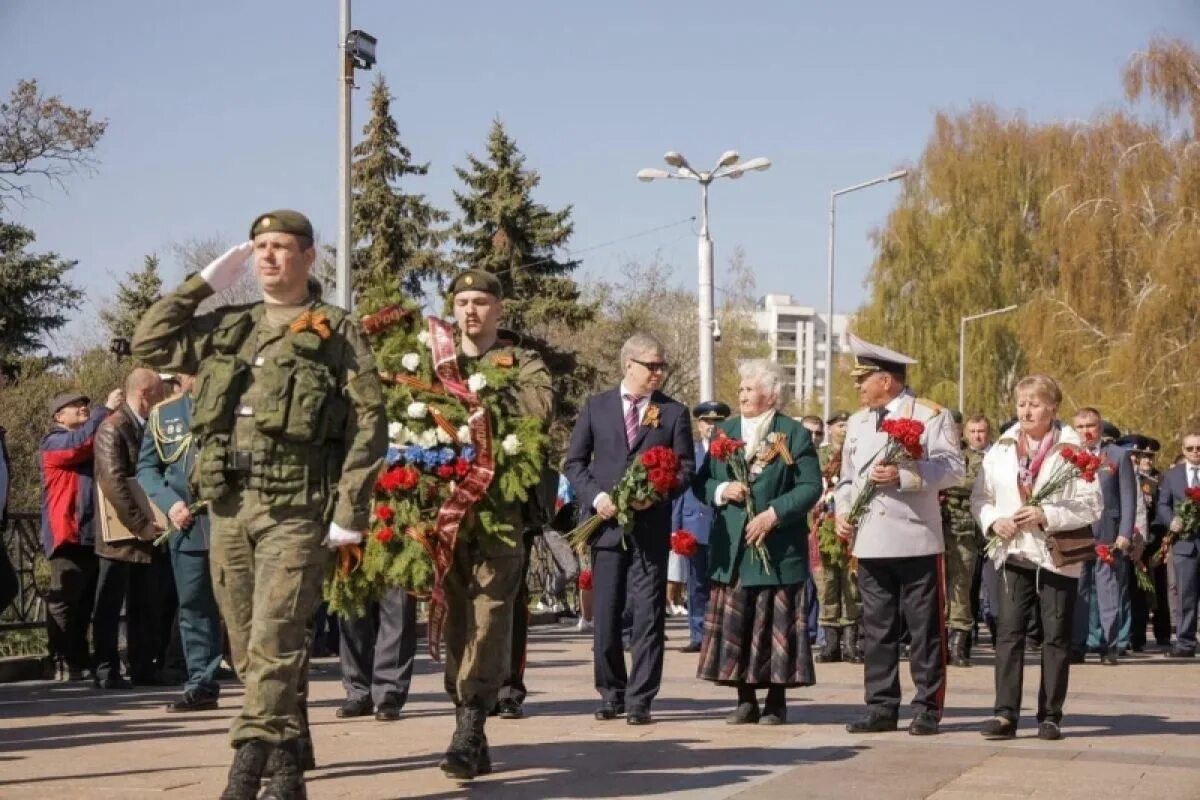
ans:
(356, 50)
(727, 166)
(833, 196)
(962, 349)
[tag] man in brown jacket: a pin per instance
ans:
(130, 570)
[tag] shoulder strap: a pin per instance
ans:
(927, 403)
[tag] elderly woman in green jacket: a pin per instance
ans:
(755, 634)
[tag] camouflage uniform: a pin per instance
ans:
(290, 418)
(837, 593)
(963, 540)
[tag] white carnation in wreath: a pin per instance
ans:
(443, 437)
(476, 382)
(511, 444)
(423, 337)
(464, 434)
(411, 361)
(417, 410)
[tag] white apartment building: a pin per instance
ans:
(796, 335)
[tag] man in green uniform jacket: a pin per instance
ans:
(963, 540)
(167, 456)
(292, 429)
(483, 582)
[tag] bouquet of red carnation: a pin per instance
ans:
(1074, 464)
(903, 442)
(1188, 517)
(585, 580)
(1106, 555)
(1144, 581)
(733, 453)
(683, 543)
(650, 479)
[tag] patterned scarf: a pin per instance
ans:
(1030, 464)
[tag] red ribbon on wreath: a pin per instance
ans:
(469, 490)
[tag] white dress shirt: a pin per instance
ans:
(642, 404)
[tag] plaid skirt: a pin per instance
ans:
(756, 636)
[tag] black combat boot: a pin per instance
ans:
(246, 772)
(960, 655)
(308, 758)
(464, 757)
(832, 651)
(851, 652)
(288, 781)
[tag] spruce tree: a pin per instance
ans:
(35, 296)
(397, 240)
(140, 290)
(505, 232)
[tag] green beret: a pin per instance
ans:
(476, 280)
(282, 221)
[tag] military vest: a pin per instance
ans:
(268, 406)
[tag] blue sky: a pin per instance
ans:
(219, 110)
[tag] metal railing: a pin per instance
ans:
(22, 538)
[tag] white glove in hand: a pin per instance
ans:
(225, 268)
(339, 536)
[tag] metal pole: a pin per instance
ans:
(342, 294)
(829, 319)
(707, 388)
(962, 348)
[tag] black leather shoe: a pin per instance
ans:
(638, 715)
(608, 711)
(357, 707)
(1178, 652)
(509, 709)
(998, 728)
(744, 714)
(1078, 657)
(387, 712)
(923, 724)
(112, 683)
(192, 701)
(1109, 657)
(223, 674)
(690, 647)
(873, 722)
(1049, 731)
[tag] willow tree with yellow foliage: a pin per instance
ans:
(1093, 228)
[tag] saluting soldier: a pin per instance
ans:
(898, 542)
(963, 539)
(166, 459)
(290, 420)
(485, 576)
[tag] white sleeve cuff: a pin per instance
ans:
(599, 497)
(719, 494)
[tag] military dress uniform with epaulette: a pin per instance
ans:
(290, 420)
(899, 544)
(484, 579)
(963, 540)
(166, 460)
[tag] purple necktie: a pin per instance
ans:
(631, 418)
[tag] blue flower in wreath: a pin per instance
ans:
(468, 452)
(446, 456)
(394, 455)
(430, 459)
(413, 453)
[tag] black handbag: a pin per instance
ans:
(1076, 546)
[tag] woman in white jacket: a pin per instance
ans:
(1021, 461)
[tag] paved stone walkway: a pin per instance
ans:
(1131, 733)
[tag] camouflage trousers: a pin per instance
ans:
(962, 554)
(837, 594)
(481, 593)
(268, 566)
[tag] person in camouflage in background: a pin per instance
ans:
(290, 420)
(837, 587)
(963, 541)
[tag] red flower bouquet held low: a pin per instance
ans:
(683, 543)
(732, 452)
(585, 581)
(649, 479)
(903, 443)
(1187, 520)
(1074, 464)
(1106, 555)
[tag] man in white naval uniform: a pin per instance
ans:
(898, 541)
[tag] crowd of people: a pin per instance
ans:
(207, 515)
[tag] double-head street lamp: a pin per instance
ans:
(833, 196)
(728, 166)
(962, 350)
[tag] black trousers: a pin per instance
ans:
(378, 650)
(147, 592)
(635, 578)
(1020, 588)
(69, 602)
(908, 591)
(513, 687)
(1142, 607)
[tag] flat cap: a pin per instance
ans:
(840, 416)
(711, 411)
(282, 221)
(67, 399)
(476, 280)
(870, 358)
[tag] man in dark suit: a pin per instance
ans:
(691, 514)
(613, 428)
(1115, 529)
(1185, 553)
